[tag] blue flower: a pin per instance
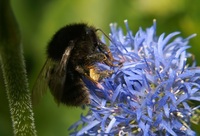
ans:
(148, 95)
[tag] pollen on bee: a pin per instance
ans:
(95, 76)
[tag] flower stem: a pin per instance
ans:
(14, 72)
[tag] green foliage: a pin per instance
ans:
(14, 73)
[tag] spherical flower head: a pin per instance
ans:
(148, 92)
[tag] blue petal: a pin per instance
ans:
(111, 124)
(167, 127)
(115, 95)
(166, 110)
(88, 127)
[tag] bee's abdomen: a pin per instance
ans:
(75, 93)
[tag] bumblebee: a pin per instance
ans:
(72, 54)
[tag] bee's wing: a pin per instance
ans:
(41, 84)
(59, 70)
(64, 60)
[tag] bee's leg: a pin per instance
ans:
(97, 57)
(94, 72)
(82, 71)
(91, 59)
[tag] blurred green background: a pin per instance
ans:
(40, 19)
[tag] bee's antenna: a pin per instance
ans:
(98, 29)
